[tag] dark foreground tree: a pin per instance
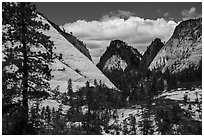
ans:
(26, 52)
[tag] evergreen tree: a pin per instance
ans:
(43, 112)
(125, 127)
(146, 122)
(35, 118)
(70, 92)
(96, 115)
(163, 121)
(47, 115)
(56, 93)
(95, 83)
(53, 114)
(64, 99)
(153, 86)
(132, 125)
(71, 113)
(176, 110)
(88, 113)
(171, 80)
(20, 39)
(59, 124)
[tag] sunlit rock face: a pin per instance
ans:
(73, 62)
(183, 49)
(119, 56)
(150, 53)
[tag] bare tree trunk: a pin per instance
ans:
(25, 89)
(25, 75)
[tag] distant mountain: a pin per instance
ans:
(150, 53)
(119, 56)
(118, 60)
(73, 62)
(183, 50)
(73, 40)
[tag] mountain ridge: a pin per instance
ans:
(128, 54)
(72, 39)
(150, 53)
(69, 62)
(183, 49)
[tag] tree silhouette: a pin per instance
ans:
(26, 49)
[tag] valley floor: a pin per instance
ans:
(190, 112)
(168, 113)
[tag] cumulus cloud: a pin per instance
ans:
(159, 11)
(166, 14)
(190, 14)
(117, 14)
(171, 18)
(135, 31)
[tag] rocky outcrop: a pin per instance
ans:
(71, 62)
(119, 56)
(150, 53)
(118, 61)
(73, 40)
(183, 50)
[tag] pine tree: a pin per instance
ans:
(153, 86)
(59, 124)
(88, 97)
(96, 106)
(163, 121)
(70, 92)
(48, 114)
(71, 112)
(132, 125)
(43, 112)
(125, 128)
(87, 122)
(171, 79)
(35, 117)
(33, 114)
(146, 122)
(95, 83)
(21, 50)
(56, 93)
(64, 99)
(53, 113)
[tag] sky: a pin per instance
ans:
(136, 23)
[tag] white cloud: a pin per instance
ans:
(135, 31)
(117, 14)
(166, 14)
(159, 11)
(190, 14)
(171, 18)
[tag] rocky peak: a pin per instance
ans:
(118, 44)
(118, 60)
(187, 26)
(71, 62)
(150, 53)
(127, 54)
(73, 40)
(183, 49)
